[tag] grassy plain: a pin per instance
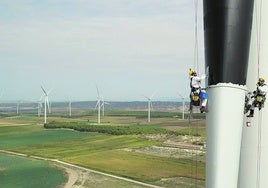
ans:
(22, 172)
(115, 154)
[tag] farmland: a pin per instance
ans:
(160, 153)
(35, 173)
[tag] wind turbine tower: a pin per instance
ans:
(149, 106)
(254, 146)
(103, 105)
(227, 36)
(70, 108)
(46, 103)
(18, 106)
(183, 105)
(98, 105)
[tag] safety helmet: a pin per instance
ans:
(261, 80)
(192, 72)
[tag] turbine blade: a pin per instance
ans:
(44, 90)
(98, 91)
(41, 97)
(153, 95)
(97, 104)
(146, 97)
(49, 91)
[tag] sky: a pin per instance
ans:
(128, 49)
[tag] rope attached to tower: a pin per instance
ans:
(194, 133)
(258, 10)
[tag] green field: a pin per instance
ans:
(113, 154)
(24, 173)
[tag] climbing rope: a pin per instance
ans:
(194, 133)
(258, 35)
(259, 150)
(196, 66)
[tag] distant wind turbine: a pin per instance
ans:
(18, 106)
(149, 106)
(49, 106)
(98, 105)
(70, 108)
(46, 103)
(183, 105)
(103, 105)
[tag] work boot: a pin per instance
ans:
(251, 114)
(202, 109)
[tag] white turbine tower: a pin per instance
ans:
(254, 146)
(103, 105)
(70, 108)
(49, 106)
(18, 106)
(98, 105)
(149, 106)
(46, 103)
(183, 105)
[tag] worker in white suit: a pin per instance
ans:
(196, 91)
(259, 96)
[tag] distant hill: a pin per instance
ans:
(31, 107)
